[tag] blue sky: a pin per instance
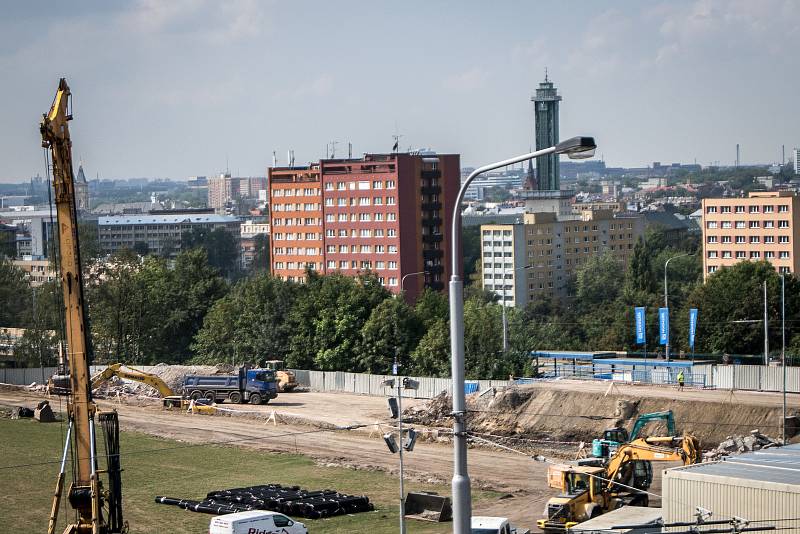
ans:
(176, 88)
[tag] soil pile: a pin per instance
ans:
(172, 375)
(737, 444)
(542, 413)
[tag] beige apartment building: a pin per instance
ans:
(762, 226)
(535, 259)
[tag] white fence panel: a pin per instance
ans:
(747, 377)
(722, 377)
(316, 380)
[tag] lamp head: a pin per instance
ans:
(577, 147)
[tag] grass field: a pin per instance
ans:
(155, 466)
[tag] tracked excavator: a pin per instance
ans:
(96, 504)
(121, 370)
(589, 491)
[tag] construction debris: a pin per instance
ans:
(738, 444)
(172, 375)
(44, 413)
(290, 500)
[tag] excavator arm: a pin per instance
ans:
(684, 449)
(131, 373)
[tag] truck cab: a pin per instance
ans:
(255, 522)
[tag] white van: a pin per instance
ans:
(255, 522)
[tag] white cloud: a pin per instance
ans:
(467, 80)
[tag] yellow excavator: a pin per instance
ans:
(121, 370)
(97, 506)
(589, 491)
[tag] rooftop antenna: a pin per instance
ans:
(783, 155)
(737, 154)
(274, 159)
(396, 137)
(349, 150)
(333, 149)
(289, 157)
(227, 167)
(545, 74)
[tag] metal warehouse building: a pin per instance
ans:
(762, 487)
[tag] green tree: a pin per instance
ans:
(392, 330)
(599, 281)
(731, 305)
(431, 357)
(88, 242)
(483, 340)
(432, 306)
(249, 324)
(14, 294)
(327, 320)
(261, 253)
(219, 244)
(640, 272)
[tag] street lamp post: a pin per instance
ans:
(666, 296)
(575, 148)
(403, 279)
(505, 320)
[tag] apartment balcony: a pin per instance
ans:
(432, 238)
(435, 269)
(431, 206)
(432, 254)
(431, 189)
(432, 221)
(436, 286)
(427, 175)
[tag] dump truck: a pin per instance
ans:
(287, 381)
(256, 386)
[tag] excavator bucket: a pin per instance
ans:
(428, 507)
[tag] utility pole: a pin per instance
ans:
(783, 349)
(766, 327)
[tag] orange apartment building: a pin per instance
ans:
(383, 213)
(762, 226)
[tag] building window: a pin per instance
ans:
(343, 264)
(769, 239)
(726, 253)
(783, 208)
(740, 239)
(389, 184)
(725, 209)
(380, 264)
(769, 224)
(784, 270)
(769, 209)
(340, 186)
(740, 224)
(392, 249)
(755, 224)
(710, 225)
(783, 239)
(329, 186)
(341, 202)
(709, 209)
(726, 239)
(755, 239)
(363, 201)
(343, 249)
(376, 184)
(769, 255)
(330, 233)
(379, 217)
(390, 201)
(712, 253)
(712, 269)
(364, 217)
(391, 216)
(741, 254)
(753, 209)
(726, 224)
(755, 255)
(784, 255)
(331, 248)
(378, 201)
(783, 224)
(331, 264)
(391, 232)
(739, 209)
(392, 281)
(392, 265)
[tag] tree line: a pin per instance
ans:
(145, 310)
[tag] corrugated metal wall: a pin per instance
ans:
(683, 491)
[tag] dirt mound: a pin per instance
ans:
(172, 375)
(738, 444)
(537, 412)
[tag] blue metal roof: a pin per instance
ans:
(570, 355)
(644, 363)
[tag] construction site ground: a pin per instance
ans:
(519, 482)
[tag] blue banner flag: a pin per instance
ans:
(692, 327)
(640, 336)
(663, 326)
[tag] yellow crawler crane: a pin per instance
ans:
(589, 491)
(97, 510)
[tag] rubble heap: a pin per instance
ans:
(172, 375)
(738, 444)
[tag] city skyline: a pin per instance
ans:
(192, 88)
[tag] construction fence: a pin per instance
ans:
(738, 377)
